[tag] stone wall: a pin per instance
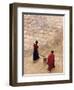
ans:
(47, 29)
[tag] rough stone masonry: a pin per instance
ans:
(47, 29)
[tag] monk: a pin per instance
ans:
(35, 51)
(51, 61)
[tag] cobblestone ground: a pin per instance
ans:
(39, 67)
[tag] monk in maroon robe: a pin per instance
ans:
(35, 51)
(51, 61)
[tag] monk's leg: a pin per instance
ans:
(49, 68)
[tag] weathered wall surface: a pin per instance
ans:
(47, 29)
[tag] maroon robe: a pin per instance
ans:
(35, 47)
(35, 52)
(51, 61)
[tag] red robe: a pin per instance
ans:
(51, 61)
(35, 52)
(35, 47)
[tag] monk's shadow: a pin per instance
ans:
(35, 61)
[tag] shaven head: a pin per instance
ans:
(52, 51)
(36, 42)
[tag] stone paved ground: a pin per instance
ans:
(39, 67)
